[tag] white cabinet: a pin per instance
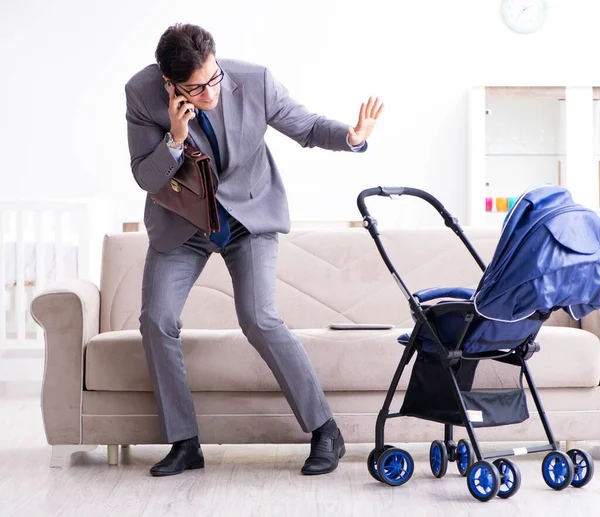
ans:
(520, 137)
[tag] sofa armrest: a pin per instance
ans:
(69, 313)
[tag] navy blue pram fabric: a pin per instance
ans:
(547, 258)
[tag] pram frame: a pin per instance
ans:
(517, 356)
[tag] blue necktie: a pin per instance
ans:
(222, 237)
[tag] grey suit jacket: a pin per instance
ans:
(250, 187)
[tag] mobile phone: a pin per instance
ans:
(176, 92)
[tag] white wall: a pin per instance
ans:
(64, 63)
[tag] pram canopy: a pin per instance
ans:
(547, 258)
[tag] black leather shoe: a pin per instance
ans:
(326, 449)
(186, 454)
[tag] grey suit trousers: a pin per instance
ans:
(251, 261)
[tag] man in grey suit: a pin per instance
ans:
(223, 107)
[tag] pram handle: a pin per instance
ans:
(450, 221)
(371, 225)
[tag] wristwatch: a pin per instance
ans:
(178, 146)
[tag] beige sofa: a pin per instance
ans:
(96, 388)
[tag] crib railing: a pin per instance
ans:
(40, 242)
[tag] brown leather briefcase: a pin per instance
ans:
(191, 193)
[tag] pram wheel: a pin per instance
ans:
(464, 456)
(583, 465)
(558, 470)
(483, 480)
(372, 462)
(395, 466)
(510, 477)
(438, 458)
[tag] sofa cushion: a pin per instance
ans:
(345, 360)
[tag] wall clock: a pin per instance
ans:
(524, 16)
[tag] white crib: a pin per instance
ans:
(43, 241)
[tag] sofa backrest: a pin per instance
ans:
(323, 277)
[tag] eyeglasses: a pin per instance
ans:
(198, 89)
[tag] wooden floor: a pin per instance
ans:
(238, 481)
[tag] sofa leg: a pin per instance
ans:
(571, 444)
(61, 454)
(113, 454)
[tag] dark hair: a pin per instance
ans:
(183, 49)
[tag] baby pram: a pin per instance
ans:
(547, 258)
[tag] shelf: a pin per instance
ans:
(532, 129)
(556, 93)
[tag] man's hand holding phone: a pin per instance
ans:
(180, 112)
